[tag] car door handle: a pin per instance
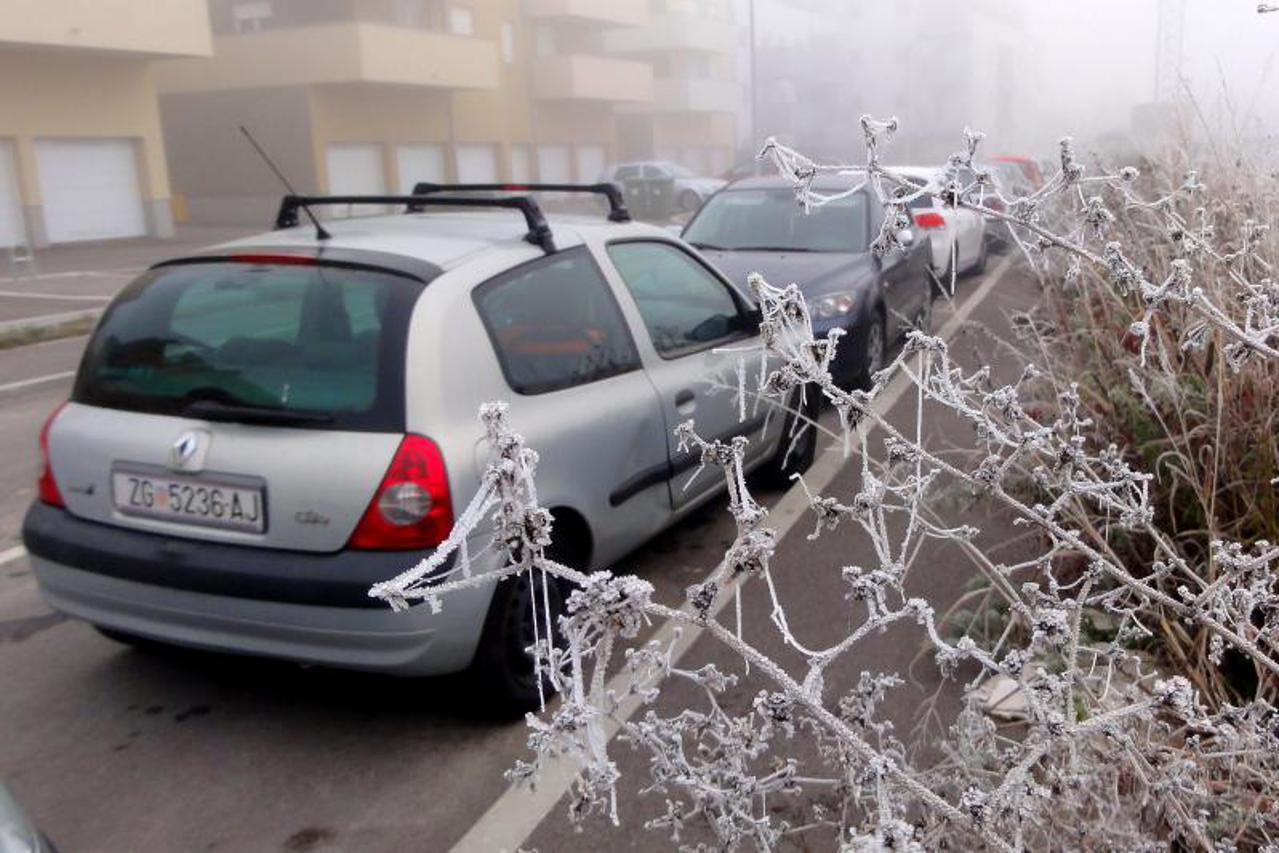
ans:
(684, 400)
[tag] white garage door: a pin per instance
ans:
(419, 163)
(553, 166)
(356, 169)
(89, 188)
(11, 233)
(591, 162)
(476, 164)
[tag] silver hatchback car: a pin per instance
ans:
(259, 432)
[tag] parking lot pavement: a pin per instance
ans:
(77, 277)
(112, 749)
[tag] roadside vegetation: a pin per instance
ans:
(1118, 688)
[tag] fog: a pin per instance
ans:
(372, 96)
(1064, 67)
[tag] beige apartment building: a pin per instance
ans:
(81, 148)
(371, 96)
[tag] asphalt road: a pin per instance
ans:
(113, 749)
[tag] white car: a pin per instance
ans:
(260, 431)
(957, 237)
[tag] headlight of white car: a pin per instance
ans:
(834, 305)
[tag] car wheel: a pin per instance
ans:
(980, 266)
(941, 282)
(873, 352)
(923, 319)
(689, 201)
(794, 454)
(503, 669)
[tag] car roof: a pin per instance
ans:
(447, 240)
(915, 171)
(842, 181)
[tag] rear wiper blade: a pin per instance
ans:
(212, 410)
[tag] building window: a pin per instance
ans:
(410, 13)
(508, 42)
(461, 21)
(248, 17)
(544, 41)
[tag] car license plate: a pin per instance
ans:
(190, 500)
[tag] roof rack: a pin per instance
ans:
(617, 211)
(539, 233)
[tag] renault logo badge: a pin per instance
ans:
(188, 452)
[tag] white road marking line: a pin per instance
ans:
(518, 811)
(66, 296)
(10, 555)
(38, 380)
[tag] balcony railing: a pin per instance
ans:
(592, 78)
(674, 31)
(168, 29)
(349, 52)
(697, 96)
(597, 13)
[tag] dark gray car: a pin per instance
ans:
(755, 225)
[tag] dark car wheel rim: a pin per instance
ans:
(874, 349)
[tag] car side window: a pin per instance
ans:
(626, 173)
(683, 304)
(555, 324)
(651, 171)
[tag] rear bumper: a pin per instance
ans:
(87, 578)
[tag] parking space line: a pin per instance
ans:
(10, 555)
(38, 380)
(513, 816)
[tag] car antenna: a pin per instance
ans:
(320, 233)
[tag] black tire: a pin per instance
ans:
(502, 670)
(980, 266)
(874, 345)
(689, 201)
(923, 319)
(777, 471)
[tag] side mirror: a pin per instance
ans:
(906, 237)
(751, 319)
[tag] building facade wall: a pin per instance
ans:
(46, 94)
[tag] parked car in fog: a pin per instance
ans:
(955, 236)
(260, 431)
(689, 189)
(1028, 169)
(754, 225)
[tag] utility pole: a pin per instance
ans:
(754, 123)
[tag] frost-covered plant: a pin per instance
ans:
(1112, 749)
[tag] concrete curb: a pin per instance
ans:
(46, 321)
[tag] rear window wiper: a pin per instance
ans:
(212, 410)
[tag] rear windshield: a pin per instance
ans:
(771, 220)
(301, 345)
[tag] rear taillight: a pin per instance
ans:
(411, 508)
(930, 219)
(46, 486)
